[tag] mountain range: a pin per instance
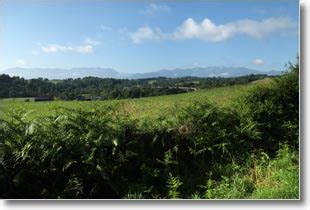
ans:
(57, 73)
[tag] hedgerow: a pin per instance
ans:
(101, 153)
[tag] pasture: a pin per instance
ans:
(153, 107)
(157, 147)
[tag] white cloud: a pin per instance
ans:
(105, 28)
(258, 61)
(145, 33)
(156, 8)
(206, 30)
(84, 49)
(91, 41)
(54, 48)
(211, 32)
(21, 62)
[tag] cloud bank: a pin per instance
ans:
(54, 48)
(86, 48)
(210, 32)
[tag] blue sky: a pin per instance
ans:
(144, 36)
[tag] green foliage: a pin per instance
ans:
(173, 184)
(133, 196)
(279, 178)
(274, 110)
(235, 187)
(148, 108)
(108, 88)
(263, 178)
(102, 152)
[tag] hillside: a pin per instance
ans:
(148, 106)
(157, 147)
(95, 88)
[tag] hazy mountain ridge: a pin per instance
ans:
(57, 73)
(203, 72)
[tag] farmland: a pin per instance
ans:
(154, 107)
(151, 100)
(231, 142)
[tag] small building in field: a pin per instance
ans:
(82, 98)
(187, 89)
(43, 98)
(98, 98)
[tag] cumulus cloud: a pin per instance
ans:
(21, 62)
(91, 41)
(212, 32)
(54, 48)
(206, 30)
(209, 31)
(145, 33)
(258, 61)
(156, 8)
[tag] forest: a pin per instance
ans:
(109, 88)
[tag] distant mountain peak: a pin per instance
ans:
(80, 72)
(57, 73)
(211, 71)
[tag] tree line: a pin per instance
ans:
(109, 88)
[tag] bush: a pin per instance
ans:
(274, 110)
(279, 178)
(102, 153)
(261, 178)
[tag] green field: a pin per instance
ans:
(156, 106)
(237, 142)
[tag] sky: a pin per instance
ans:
(144, 36)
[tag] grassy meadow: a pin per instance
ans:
(152, 107)
(232, 142)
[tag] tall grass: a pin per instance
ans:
(204, 151)
(262, 178)
(277, 178)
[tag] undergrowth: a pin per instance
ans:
(204, 151)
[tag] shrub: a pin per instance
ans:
(274, 111)
(260, 178)
(102, 153)
(279, 178)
